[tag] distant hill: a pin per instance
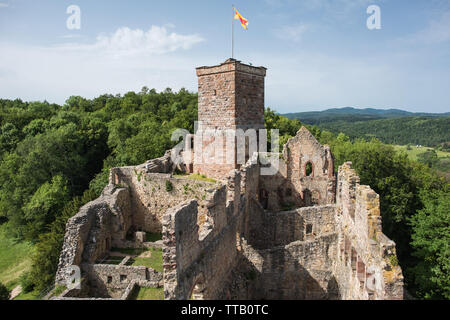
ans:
(391, 126)
(353, 114)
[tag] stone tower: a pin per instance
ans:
(230, 96)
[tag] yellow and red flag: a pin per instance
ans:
(244, 22)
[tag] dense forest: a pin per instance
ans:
(430, 132)
(390, 126)
(354, 114)
(54, 159)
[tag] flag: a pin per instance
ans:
(244, 22)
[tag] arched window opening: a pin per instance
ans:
(309, 169)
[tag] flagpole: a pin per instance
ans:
(232, 34)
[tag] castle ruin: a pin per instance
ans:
(305, 232)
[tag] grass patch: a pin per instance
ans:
(442, 165)
(414, 151)
(196, 176)
(155, 261)
(148, 294)
(130, 251)
(152, 237)
(15, 259)
(58, 291)
(33, 295)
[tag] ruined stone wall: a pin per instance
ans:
(291, 186)
(112, 280)
(366, 264)
(282, 258)
(90, 233)
(200, 264)
(150, 197)
(271, 229)
(274, 229)
(299, 270)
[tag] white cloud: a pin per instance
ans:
(126, 41)
(292, 33)
(123, 61)
(3, 5)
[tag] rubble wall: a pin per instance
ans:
(110, 281)
(366, 265)
(91, 232)
(297, 271)
(153, 193)
(198, 265)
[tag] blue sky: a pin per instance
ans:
(319, 53)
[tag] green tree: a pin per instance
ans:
(4, 293)
(431, 239)
(429, 157)
(45, 205)
(46, 257)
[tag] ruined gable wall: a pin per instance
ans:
(366, 265)
(291, 187)
(318, 188)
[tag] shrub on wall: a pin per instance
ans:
(169, 186)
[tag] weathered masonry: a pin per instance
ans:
(230, 96)
(306, 232)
